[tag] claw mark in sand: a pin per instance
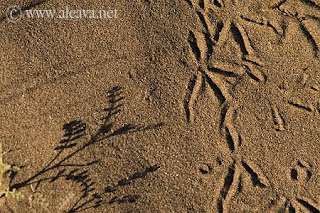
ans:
(194, 46)
(229, 189)
(232, 183)
(256, 75)
(202, 44)
(302, 171)
(278, 119)
(308, 25)
(312, 34)
(257, 177)
(298, 204)
(193, 89)
(199, 46)
(311, 3)
(300, 105)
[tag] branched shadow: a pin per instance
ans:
(98, 199)
(73, 143)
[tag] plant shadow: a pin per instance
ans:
(74, 142)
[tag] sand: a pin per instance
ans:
(172, 106)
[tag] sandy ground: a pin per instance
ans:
(172, 106)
